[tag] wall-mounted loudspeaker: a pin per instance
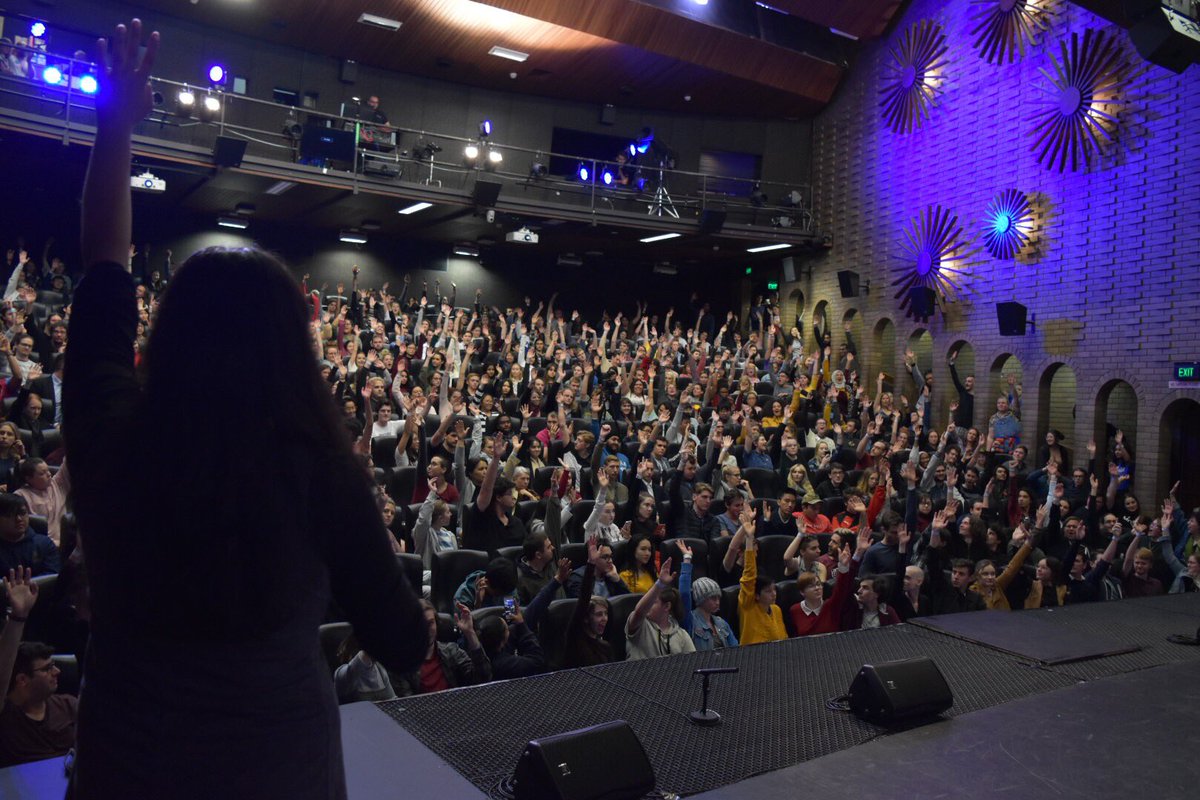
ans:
(485, 193)
(711, 221)
(228, 152)
(348, 71)
(1011, 317)
(848, 283)
(898, 691)
(604, 761)
(789, 269)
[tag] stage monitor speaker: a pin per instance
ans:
(485, 193)
(228, 152)
(348, 71)
(1011, 317)
(897, 691)
(1159, 37)
(789, 269)
(711, 221)
(601, 762)
(848, 283)
(327, 143)
(922, 302)
(608, 114)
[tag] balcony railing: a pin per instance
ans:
(407, 162)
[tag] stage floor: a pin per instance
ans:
(1102, 727)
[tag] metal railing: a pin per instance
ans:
(413, 158)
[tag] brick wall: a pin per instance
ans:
(1113, 278)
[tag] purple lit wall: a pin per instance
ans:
(1113, 273)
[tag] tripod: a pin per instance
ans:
(661, 203)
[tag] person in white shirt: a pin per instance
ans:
(385, 424)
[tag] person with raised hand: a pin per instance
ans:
(761, 619)
(653, 628)
(223, 694)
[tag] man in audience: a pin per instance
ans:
(536, 567)
(20, 546)
(446, 665)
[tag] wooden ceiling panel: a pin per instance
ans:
(603, 51)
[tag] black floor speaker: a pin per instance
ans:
(899, 691)
(603, 762)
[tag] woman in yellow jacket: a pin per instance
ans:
(638, 569)
(761, 620)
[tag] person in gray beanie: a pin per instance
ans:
(701, 602)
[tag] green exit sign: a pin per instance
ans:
(772, 287)
(749, 270)
(1189, 371)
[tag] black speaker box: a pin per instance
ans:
(922, 301)
(899, 691)
(485, 193)
(608, 114)
(789, 269)
(348, 71)
(848, 283)
(711, 221)
(604, 761)
(228, 152)
(1011, 317)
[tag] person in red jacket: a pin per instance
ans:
(812, 615)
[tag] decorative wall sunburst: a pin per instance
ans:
(914, 83)
(1006, 27)
(1008, 222)
(936, 254)
(1078, 118)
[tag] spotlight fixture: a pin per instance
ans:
(237, 223)
(352, 237)
(158, 99)
(292, 128)
(185, 102)
(414, 208)
(217, 75)
(606, 177)
(537, 169)
(212, 104)
(583, 172)
(37, 29)
(471, 153)
(426, 151)
(88, 84)
(52, 76)
(485, 129)
(758, 197)
(782, 221)
(494, 156)
(792, 199)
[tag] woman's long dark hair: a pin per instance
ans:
(240, 434)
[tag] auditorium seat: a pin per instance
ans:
(527, 511)
(787, 594)
(832, 506)
(331, 636)
(449, 569)
(383, 452)
(536, 425)
(716, 554)
(699, 555)
(69, 674)
(585, 483)
(763, 482)
(620, 607)
(480, 614)
(401, 484)
(539, 483)
(576, 551)
(552, 631)
(580, 511)
(512, 553)
(770, 556)
(729, 608)
(413, 569)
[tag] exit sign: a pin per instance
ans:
(772, 287)
(1187, 371)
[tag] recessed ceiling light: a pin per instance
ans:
(376, 21)
(511, 55)
(415, 207)
(280, 187)
(764, 248)
(239, 223)
(662, 237)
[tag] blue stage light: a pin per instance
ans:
(485, 128)
(52, 76)
(633, 149)
(88, 84)
(216, 74)
(583, 172)
(607, 177)
(37, 29)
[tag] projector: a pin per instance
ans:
(522, 235)
(147, 182)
